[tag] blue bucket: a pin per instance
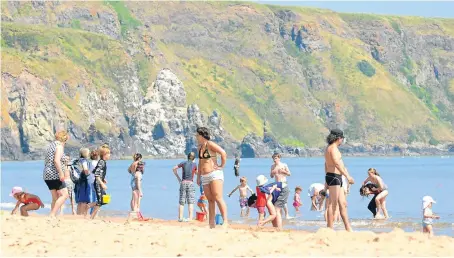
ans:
(219, 220)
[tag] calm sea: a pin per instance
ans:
(408, 180)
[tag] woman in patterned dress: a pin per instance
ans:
(53, 173)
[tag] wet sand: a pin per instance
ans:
(75, 236)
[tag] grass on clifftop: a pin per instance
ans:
(379, 96)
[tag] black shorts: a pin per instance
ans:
(332, 179)
(55, 184)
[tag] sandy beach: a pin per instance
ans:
(70, 236)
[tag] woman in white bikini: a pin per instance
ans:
(210, 174)
(375, 178)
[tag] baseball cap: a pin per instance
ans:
(15, 190)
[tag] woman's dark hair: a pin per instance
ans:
(204, 132)
(370, 186)
(137, 156)
(362, 191)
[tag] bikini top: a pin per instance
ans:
(206, 154)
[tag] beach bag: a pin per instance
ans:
(76, 170)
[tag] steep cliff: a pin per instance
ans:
(114, 72)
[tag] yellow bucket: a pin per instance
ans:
(106, 198)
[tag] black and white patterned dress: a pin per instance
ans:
(100, 172)
(50, 171)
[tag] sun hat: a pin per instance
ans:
(426, 200)
(261, 180)
(16, 189)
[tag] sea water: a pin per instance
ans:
(408, 180)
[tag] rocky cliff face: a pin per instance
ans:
(161, 123)
(114, 72)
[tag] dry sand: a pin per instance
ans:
(70, 236)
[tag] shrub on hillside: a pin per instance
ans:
(366, 68)
(433, 141)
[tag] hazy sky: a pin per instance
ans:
(413, 8)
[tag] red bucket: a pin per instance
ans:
(200, 216)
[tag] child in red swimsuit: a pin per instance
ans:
(31, 202)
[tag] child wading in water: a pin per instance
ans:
(297, 199)
(428, 215)
(136, 170)
(100, 183)
(243, 188)
(31, 202)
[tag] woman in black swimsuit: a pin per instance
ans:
(210, 174)
(367, 190)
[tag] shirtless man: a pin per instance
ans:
(243, 187)
(280, 171)
(334, 169)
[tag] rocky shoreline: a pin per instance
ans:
(265, 150)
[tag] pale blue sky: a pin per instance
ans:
(413, 8)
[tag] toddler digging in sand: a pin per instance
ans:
(243, 188)
(31, 202)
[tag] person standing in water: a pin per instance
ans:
(334, 169)
(210, 174)
(236, 167)
(187, 188)
(243, 187)
(428, 215)
(380, 200)
(367, 190)
(280, 172)
(136, 170)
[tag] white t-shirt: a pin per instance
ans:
(315, 187)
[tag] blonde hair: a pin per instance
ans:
(243, 178)
(84, 152)
(374, 171)
(104, 150)
(61, 136)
